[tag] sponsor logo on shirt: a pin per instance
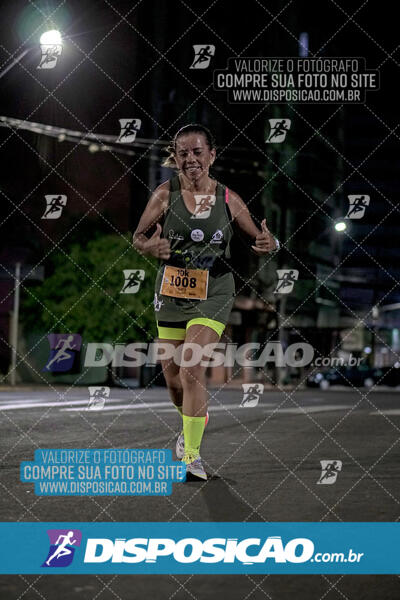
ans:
(197, 235)
(217, 237)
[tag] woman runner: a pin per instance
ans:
(194, 289)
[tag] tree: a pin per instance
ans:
(81, 293)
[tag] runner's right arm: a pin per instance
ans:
(152, 214)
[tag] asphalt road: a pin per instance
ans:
(263, 461)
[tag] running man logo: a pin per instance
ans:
(251, 394)
(357, 206)
(202, 56)
(329, 471)
(50, 54)
(203, 207)
(129, 129)
(133, 279)
(97, 397)
(279, 129)
(286, 280)
(63, 543)
(54, 206)
(63, 351)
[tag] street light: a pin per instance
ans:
(51, 37)
(48, 38)
(340, 226)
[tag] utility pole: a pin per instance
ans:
(21, 273)
(14, 323)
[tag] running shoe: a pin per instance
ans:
(180, 442)
(195, 470)
(180, 446)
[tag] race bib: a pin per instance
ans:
(184, 283)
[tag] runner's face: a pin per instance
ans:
(193, 156)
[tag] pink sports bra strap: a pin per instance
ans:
(226, 195)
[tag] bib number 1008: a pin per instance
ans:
(182, 280)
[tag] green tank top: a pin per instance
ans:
(199, 240)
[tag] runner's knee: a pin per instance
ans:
(192, 376)
(173, 381)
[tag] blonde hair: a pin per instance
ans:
(191, 128)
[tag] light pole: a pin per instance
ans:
(14, 323)
(21, 274)
(48, 38)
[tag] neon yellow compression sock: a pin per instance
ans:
(193, 429)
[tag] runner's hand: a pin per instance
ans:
(157, 246)
(265, 242)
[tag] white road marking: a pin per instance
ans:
(168, 407)
(83, 403)
(23, 405)
(165, 407)
(389, 411)
(128, 406)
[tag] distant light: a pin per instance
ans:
(396, 365)
(51, 37)
(94, 148)
(340, 226)
(367, 350)
(303, 44)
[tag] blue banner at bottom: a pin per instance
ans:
(208, 548)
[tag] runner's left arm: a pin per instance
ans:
(264, 240)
